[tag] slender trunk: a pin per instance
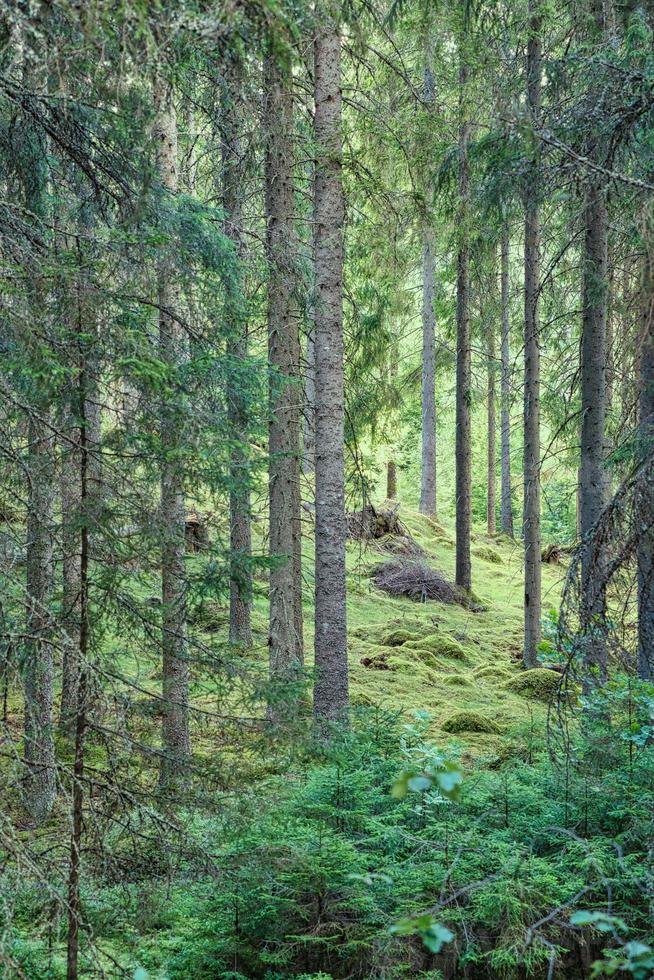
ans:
(645, 553)
(310, 401)
(428, 504)
(592, 483)
(463, 575)
(70, 600)
(531, 527)
(74, 898)
(428, 471)
(175, 724)
(240, 532)
(592, 476)
(285, 639)
(331, 683)
(505, 424)
(491, 494)
(40, 782)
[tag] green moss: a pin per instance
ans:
(438, 645)
(538, 683)
(470, 721)
(488, 554)
(396, 638)
(209, 616)
(500, 674)
(457, 680)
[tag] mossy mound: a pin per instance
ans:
(488, 554)
(376, 658)
(470, 721)
(396, 638)
(361, 699)
(439, 646)
(493, 673)
(538, 683)
(457, 680)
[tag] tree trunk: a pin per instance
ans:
(592, 476)
(428, 471)
(40, 782)
(86, 419)
(310, 401)
(175, 725)
(592, 484)
(505, 424)
(646, 439)
(285, 639)
(330, 699)
(491, 494)
(463, 481)
(240, 533)
(531, 528)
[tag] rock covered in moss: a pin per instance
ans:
(470, 721)
(439, 646)
(538, 683)
(396, 638)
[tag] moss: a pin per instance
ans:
(457, 680)
(538, 683)
(488, 554)
(396, 638)
(438, 645)
(493, 673)
(470, 721)
(376, 658)
(360, 699)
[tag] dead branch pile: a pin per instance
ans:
(416, 581)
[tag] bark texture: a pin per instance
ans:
(331, 670)
(505, 383)
(531, 524)
(592, 478)
(428, 470)
(175, 724)
(240, 531)
(646, 438)
(491, 490)
(40, 781)
(428, 496)
(285, 636)
(463, 576)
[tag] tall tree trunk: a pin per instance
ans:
(505, 382)
(592, 476)
(175, 724)
(87, 416)
(646, 439)
(463, 575)
(491, 494)
(428, 471)
(240, 532)
(285, 639)
(40, 782)
(330, 698)
(592, 483)
(309, 442)
(531, 528)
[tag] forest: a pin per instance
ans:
(326, 489)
